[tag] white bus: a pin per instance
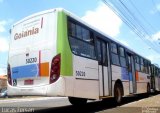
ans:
(54, 53)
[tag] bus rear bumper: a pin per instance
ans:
(54, 89)
(13, 91)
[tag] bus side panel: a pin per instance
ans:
(118, 73)
(142, 82)
(86, 89)
(84, 83)
(57, 89)
(63, 46)
(86, 79)
(157, 82)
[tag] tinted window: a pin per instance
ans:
(137, 63)
(72, 29)
(80, 41)
(86, 35)
(114, 54)
(121, 51)
(122, 57)
(104, 49)
(115, 59)
(114, 48)
(123, 61)
(142, 64)
(142, 61)
(81, 48)
(78, 32)
(99, 51)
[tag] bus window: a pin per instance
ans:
(137, 63)
(121, 51)
(114, 54)
(99, 52)
(145, 66)
(104, 49)
(78, 32)
(129, 62)
(86, 35)
(142, 64)
(72, 29)
(114, 48)
(81, 44)
(122, 57)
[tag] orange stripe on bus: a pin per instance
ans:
(137, 77)
(44, 69)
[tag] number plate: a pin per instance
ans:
(28, 82)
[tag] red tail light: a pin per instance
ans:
(55, 68)
(9, 75)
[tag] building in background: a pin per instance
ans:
(3, 82)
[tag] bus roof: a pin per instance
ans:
(81, 21)
(36, 14)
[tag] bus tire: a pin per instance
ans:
(118, 93)
(77, 101)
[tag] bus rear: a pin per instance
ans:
(33, 59)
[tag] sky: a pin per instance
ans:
(94, 12)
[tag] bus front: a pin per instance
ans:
(33, 63)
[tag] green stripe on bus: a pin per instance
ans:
(63, 46)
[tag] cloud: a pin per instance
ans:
(4, 44)
(158, 7)
(154, 58)
(155, 9)
(4, 23)
(2, 26)
(104, 19)
(156, 36)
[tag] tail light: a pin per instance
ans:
(9, 75)
(55, 68)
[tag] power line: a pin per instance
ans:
(138, 24)
(154, 30)
(128, 17)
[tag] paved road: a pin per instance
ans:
(138, 104)
(41, 102)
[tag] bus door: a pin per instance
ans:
(152, 77)
(131, 73)
(158, 79)
(103, 62)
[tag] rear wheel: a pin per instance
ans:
(77, 101)
(118, 93)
